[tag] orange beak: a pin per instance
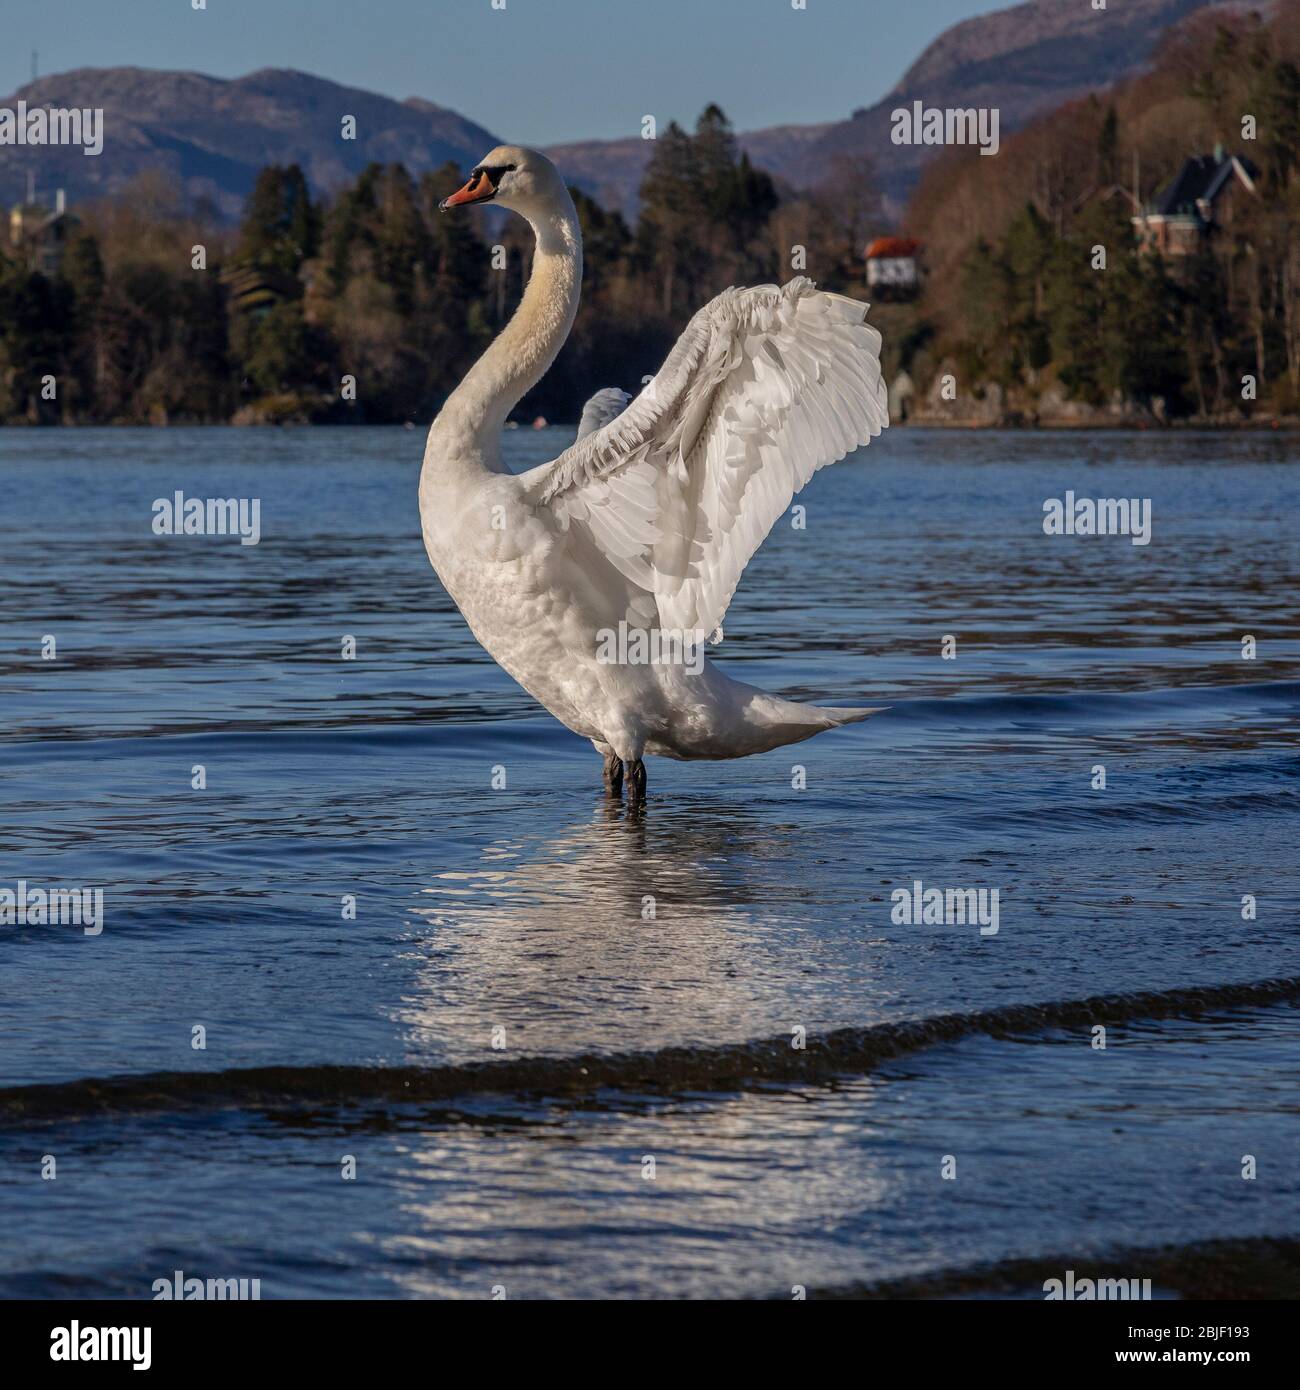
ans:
(478, 190)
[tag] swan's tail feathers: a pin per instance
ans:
(768, 721)
(795, 723)
(848, 716)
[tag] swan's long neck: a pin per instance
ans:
(529, 343)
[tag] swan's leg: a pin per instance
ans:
(636, 780)
(613, 774)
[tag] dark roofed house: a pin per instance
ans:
(256, 290)
(1199, 201)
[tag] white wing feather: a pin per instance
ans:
(765, 387)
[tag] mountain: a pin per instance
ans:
(214, 135)
(611, 170)
(1022, 61)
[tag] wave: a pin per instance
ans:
(727, 1067)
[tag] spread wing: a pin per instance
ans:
(765, 387)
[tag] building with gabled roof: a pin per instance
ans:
(892, 270)
(39, 235)
(1200, 200)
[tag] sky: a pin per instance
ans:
(536, 72)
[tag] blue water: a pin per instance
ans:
(733, 909)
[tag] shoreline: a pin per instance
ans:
(1282, 424)
(1279, 424)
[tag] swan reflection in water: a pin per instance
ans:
(636, 929)
(550, 938)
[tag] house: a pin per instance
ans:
(40, 236)
(1198, 202)
(256, 290)
(892, 271)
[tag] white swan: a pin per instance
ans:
(632, 542)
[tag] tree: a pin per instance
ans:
(1108, 149)
(281, 225)
(668, 227)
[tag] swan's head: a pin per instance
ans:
(516, 178)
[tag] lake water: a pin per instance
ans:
(540, 992)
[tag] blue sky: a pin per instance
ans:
(537, 72)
